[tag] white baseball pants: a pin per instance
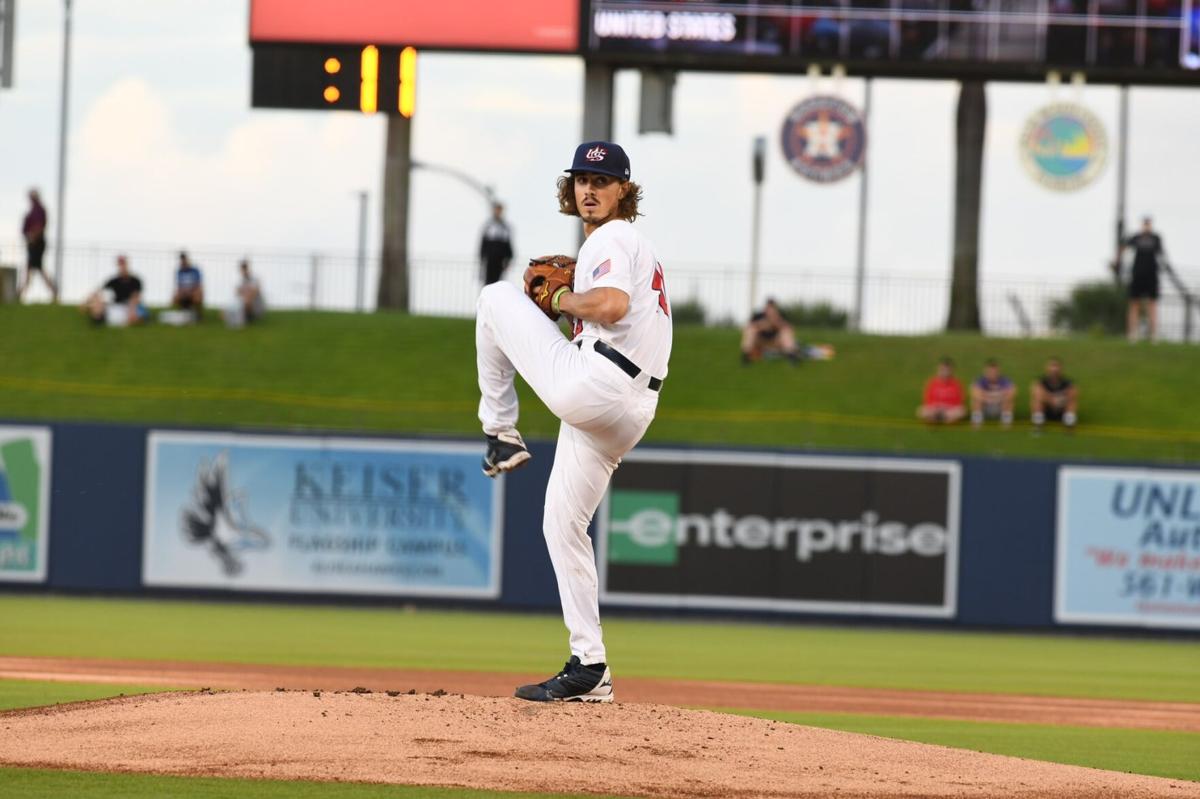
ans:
(604, 413)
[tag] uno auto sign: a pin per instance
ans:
(788, 533)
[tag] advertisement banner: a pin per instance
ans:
(1128, 547)
(24, 503)
(781, 532)
(320, 515)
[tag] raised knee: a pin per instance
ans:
(496, 292)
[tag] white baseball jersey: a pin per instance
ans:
(618, 256)
(604, 411)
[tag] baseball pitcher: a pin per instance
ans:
(603, 384)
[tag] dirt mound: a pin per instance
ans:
(485, 742)
(1126, 714)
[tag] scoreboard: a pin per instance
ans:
(361, 54)
(1118, 41)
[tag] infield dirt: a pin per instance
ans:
(1125, 714)
(500, 743)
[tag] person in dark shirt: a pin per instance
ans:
(126, 307)
(768, 331)
(33, 228)
(1148, 251)
(992, 396)
(1054, 397)
(189, 288)
(495, 248)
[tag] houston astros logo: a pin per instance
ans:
(1063, 146)
(596, 154)
(824, 139)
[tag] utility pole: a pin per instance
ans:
(860, 272)
(758, 166)
(968, 191)
(362, 252)
(393, 276)
(1122, 176)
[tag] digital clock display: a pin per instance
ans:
(369, 79)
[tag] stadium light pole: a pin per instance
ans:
(62, 148)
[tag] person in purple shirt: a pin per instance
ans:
(189, 288)
(992, 396)
(33, 228)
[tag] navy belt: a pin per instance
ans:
(624, 364)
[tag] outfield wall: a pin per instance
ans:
(942, 540)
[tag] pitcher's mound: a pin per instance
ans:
(478, 742)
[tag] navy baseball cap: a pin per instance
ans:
(602, 158)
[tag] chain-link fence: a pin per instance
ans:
(447, 286)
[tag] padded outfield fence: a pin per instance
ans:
(894, 303)
(947, 541)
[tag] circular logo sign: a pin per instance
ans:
(824, 139)
(1064, 146)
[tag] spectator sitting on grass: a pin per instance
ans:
(768, 331)
(189, 288)
(126, 307)
(992, 396)
(250, 305)
(943, 401)
(1053, 397)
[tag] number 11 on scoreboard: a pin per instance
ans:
(368, 94)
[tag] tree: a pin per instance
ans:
(968, 189)
(393, 272)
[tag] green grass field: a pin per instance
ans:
(405, 374)
(1160, 754)
(788, 653)
(1054, 665)
(44, 784)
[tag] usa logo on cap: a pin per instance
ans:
(601, 158)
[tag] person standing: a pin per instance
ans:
(495, 248)
(33, 228)
(603, 386)
(1148, 255)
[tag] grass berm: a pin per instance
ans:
(403, 374)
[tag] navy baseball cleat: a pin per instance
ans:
(575, 683)
(505, 452)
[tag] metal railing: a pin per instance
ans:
(893, 303)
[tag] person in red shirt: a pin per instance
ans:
(943, 401)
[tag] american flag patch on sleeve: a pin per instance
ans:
(602, 269)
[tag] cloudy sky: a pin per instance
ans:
(164, 149)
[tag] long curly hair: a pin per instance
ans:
(627, 207)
